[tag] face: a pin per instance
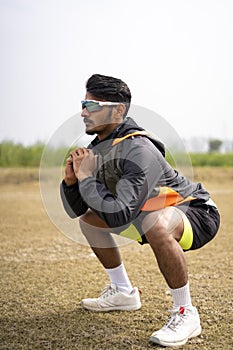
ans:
(100, 122)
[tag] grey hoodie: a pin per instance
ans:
(129, 172)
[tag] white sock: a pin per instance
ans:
(181, 296)
(119, 277)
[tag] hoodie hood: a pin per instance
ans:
(128, 126)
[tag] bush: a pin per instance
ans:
(17, 155)
(212, 159)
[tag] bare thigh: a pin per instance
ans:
(166, 222)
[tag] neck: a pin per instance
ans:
(101, 136)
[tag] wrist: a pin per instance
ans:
(70, 182)
(82, 176)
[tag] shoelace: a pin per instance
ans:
(108, 290)
(175, 320)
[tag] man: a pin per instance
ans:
(122, 184)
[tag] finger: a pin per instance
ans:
(86, 151)
(70, 159)
(80, 151)
(75, 154)
(89, 152)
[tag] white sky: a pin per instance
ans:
(175, 55)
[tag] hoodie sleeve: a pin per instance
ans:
(72, 201)
(141, 172)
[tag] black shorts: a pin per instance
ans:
(204, 219)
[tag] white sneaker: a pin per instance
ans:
(112, 299)
(183, 323)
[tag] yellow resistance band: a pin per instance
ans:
(185, 242)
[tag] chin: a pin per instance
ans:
(90, 132)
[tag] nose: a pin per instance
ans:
(84, 113)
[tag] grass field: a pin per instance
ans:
(44, 275)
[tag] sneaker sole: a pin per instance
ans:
(156, 340)
(113, 308)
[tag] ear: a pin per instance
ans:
(118, 112)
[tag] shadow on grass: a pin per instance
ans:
(78, 329)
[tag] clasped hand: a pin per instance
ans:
(81, 163)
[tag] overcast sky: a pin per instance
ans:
(175, 55)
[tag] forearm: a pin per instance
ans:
(116, 211)
(72, 200)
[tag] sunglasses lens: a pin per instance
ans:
(91, 106)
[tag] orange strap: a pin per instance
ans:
(136, 133)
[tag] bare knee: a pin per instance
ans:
(95, 231)
(91, 218)
(91, 225)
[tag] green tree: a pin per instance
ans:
(214, 145)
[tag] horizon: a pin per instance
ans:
(176, 59)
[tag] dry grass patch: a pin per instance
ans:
(44, 275)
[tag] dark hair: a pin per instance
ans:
(110, 89)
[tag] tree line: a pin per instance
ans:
(17, 155)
